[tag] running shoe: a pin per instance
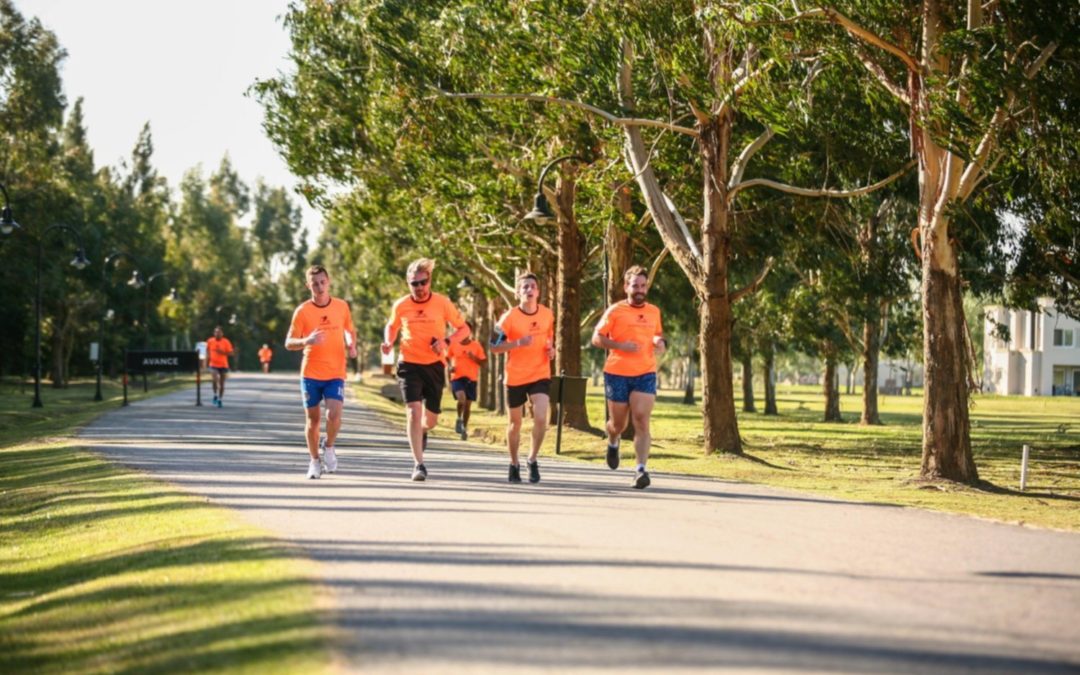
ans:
(464, 434)
(314, 469)
(419, 473)
(612, 456)
(459, 426)
(534, 472)
(329, 457)
(218, 403)
(215, 399)
(641, 481)
(514, 475)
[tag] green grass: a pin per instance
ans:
(104, 570)
(879, 464)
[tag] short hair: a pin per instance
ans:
(316, 269)
(635, 271)
(525, 275)
(421, 265)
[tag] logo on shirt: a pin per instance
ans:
(641, 318)
(419, 312)
(534, 325)
(325, 319)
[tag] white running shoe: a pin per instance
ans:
(329, 458)
(314, 469)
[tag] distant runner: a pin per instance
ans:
(322, 327)
(421, 318)
(220, 349)
(632, 333)
(525, 333)
(265, 354)
(466, 358)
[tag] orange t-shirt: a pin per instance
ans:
(325, 361)
(219, 351)
(420, 322)
(623, 322)
(265, 354)
(528, 364)
(463, 365)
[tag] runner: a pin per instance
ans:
(421, 318)
(220, 349)
(466, 358)
(632, 333)
(322, 327)
(265, 354)
(525, 334)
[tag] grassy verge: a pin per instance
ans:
(847, 461)
(104, 570)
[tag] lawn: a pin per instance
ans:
(796, 450)
(104, 570)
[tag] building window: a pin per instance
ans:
(1063, 337)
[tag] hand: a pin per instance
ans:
(386, 348)
(629, 347)
(352, 351)
(438, 346)
(550, 348)
(524, 341)
(317, 337)
(659, 346)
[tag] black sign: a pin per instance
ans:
(162, 362)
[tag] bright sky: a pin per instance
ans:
(182, 66)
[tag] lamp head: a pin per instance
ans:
(7, 222)
(136, 280)
(80, 261)
(173, 295)
(465, 283)
(541, 213)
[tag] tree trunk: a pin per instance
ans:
(748, 382)
(688, 391)
(619, 247)
(568, 297)
(946, 425)
(832, 389)
(770, 380)
(871, 353)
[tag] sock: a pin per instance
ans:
(615, 444)
(640, 467)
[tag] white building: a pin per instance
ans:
(1041, 356)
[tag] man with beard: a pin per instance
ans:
(421, 317)
(632, 333)
(525, 334)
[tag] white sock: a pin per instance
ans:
(640, 467)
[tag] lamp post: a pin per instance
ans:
(137, 281)
(113, 257)
(78, 262)
(7, 220)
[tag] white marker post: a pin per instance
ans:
(1023, 467)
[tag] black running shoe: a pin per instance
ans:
(641, 481)
(514, 475)
(534, 472)
(613, 456)
(459, 426)
(419, 473)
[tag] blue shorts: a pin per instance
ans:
(618, 388)
(466, 385)
(314, 391)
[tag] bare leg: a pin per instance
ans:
(414, 418)
(333, 420)
(540, 420)
(311, 430)
(618, 417)
(641, 406)
(513, 433)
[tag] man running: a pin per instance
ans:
(265, 355)
(220, 349)
(631, 332)
(322, 327)
(525, 333)
(466, 357)
(421, 318)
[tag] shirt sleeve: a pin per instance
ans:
(395, 316)
(604, 326)
(296, 328)
(453, 315)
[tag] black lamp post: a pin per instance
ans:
(78, 262)
(7, 221)
(113, 257)
(137, 281)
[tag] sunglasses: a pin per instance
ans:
(419, 282)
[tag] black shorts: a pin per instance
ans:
(516, 395)
(220, 371)
(422, 382)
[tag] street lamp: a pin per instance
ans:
(78, 262)
(138, 282)
(7, 221)
(113, 257)
(541, 213)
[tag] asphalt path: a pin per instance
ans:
(581, 573)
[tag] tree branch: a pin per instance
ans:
(614, 119)
(739, 167)
(753, 285)
(813, 192)
(861, 33)
(882, 77)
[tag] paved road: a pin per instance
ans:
(583, 574)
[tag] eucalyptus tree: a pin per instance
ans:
(974, 79)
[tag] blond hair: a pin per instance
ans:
(421, 265)
(635, 271)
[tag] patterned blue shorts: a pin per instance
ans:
(314, 391)
(619, 387)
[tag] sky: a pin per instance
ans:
(182, 66)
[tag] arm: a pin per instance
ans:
(502, 345)
(390, 334)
